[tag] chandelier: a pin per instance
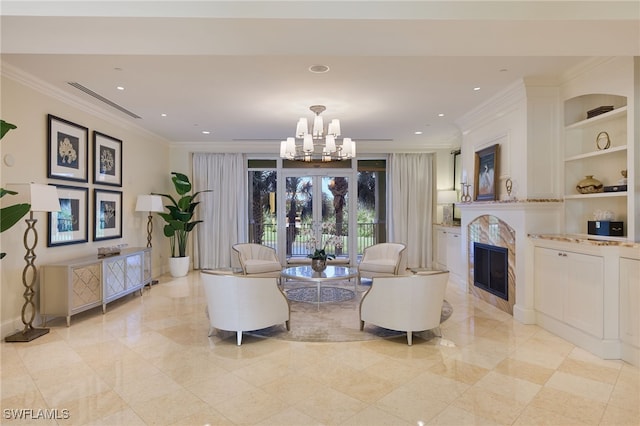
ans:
(318, 144)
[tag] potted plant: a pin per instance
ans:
(179, 222)
(10, 215)
(319, 254)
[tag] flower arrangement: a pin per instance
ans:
(319, 248)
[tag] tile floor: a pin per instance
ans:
(148, 360)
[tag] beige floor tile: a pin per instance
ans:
(330, 407)
(523, 370)
(169, 408)
(577, 385)
(537, 416)
(289, 416)
(454, 416)
(148, 360)
(589, 370)
(373, 416)
(411, 406)
(490, 405)
(567, 404)
(253, 406)
(459, 370)
(616, 416)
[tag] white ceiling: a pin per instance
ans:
(240, 69)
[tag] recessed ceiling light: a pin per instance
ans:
(441, 115)
(205, 132)
(318, 69)
(120, 88)
(476, 89)
(417, 132)
(163, 114)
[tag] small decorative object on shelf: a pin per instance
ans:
(509, 186)
(466, 196)
(108, 251)
(623, 181)
(600, 110)
(603, 141)
(589, 185)
(603, 215)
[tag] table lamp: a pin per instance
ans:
(448, 198)
(150, 204)
(42, 198)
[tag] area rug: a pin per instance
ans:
(336, 321)
(327, 294)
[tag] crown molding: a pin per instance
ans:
(28, 80)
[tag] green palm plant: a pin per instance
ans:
(179, 220)
(10, 215)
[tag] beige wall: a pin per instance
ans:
(146, 164)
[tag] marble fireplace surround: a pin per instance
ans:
(507, 224)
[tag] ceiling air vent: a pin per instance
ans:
(103, 99)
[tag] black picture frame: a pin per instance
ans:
(486, 173)
(70, 224)
(107, 160)
(67, 150)
(107, 214)
(457, 183)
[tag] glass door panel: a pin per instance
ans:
(335, 215)
(298, 213)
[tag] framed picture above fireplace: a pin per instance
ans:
(486, 173)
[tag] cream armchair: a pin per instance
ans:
(238, 303)
(256, 260)
(405, 303)
(383, 260)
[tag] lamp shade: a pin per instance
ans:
(149, 203)
(447, 197)
(43, 198)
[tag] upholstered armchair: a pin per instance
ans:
(383, 260)
(241, 303)
(405, 303)
(256, 260)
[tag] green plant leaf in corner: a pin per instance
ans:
(5, 127)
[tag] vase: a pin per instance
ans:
(589, 185)
(179, 266)
(318, 265)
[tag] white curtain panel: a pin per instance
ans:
(224, 211)
(410, 205)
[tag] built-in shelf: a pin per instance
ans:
(596, 195)
(597, 153)
(598, 118)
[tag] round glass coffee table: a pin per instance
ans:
(329, 275)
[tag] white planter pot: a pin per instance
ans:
(179, 266)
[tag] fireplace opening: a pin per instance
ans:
(490, 269)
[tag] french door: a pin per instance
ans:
(317, 214)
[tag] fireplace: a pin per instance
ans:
(491, 266)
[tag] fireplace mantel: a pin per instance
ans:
(529, 204)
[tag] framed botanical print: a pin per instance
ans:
(107, 216)
(67, 149)
(486, 173)
(69, 225)
(107, 160)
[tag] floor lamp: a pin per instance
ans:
(149, 204)
(42, 198)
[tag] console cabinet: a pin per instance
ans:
(448, 251)
(630, 306)
(76, 285)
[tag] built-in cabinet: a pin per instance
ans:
(588, 292)
(598, 146)
(569, 287)
(630, 306)
(76, 285)
(448, 251)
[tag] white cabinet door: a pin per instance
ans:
(441, 249)
(584, 298)
(454, 256)
(134, 270)
(114, 277)
(630, 301)
(550, 282)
